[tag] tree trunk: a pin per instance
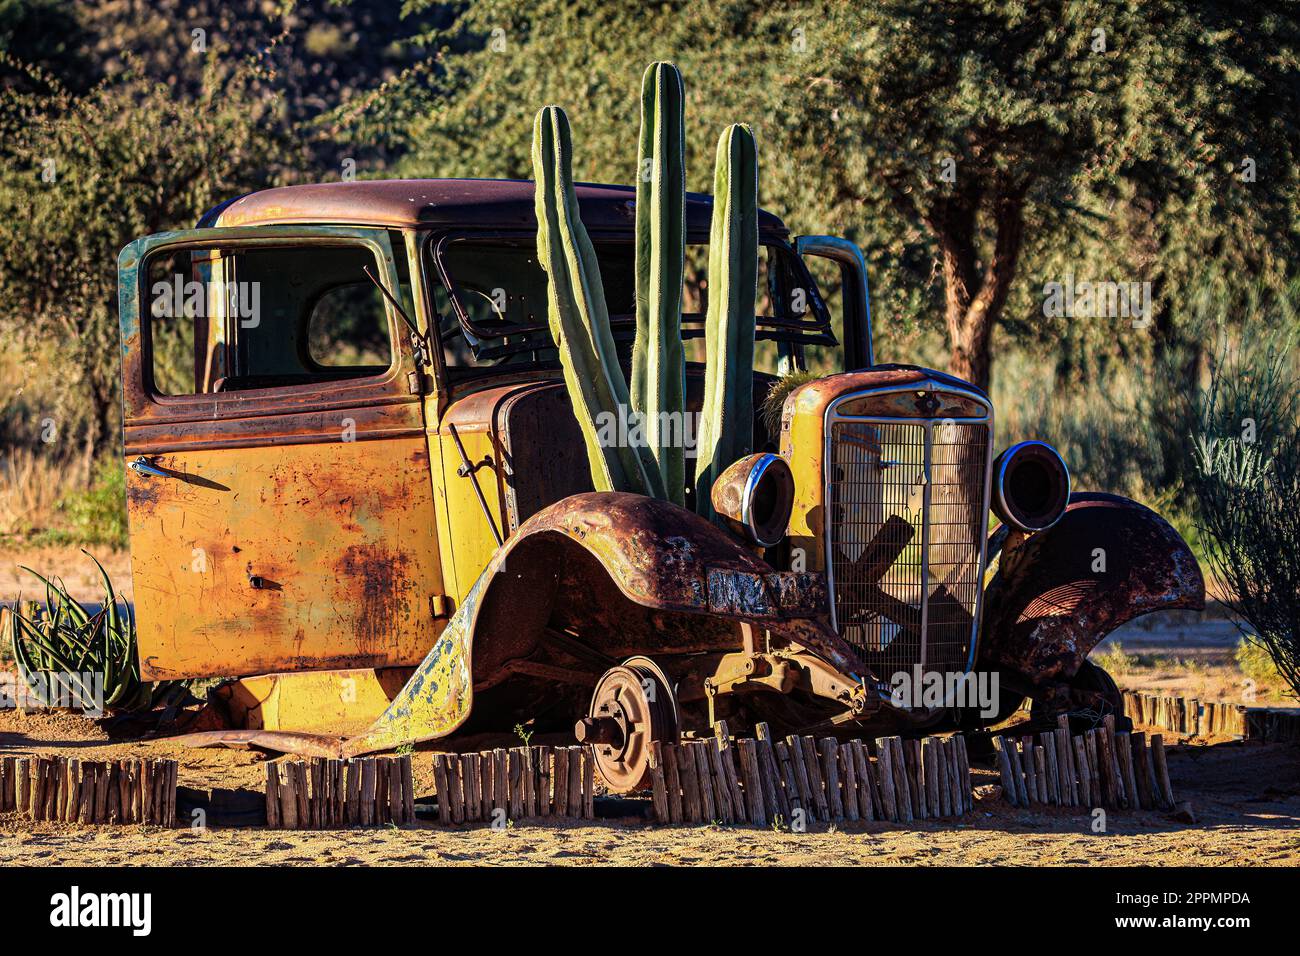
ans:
(974, 298)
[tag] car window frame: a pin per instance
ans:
(141, 399)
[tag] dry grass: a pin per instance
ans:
(31, 486)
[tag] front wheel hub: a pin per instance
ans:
(632, 707)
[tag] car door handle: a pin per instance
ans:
(142, 466)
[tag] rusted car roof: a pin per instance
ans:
(495, 203)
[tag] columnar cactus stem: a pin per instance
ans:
(579, 318)
(658, 365)
(727, 426)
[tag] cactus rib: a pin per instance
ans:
(727, 428)
(658, 365)
(578, 315)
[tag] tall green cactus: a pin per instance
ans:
(578, 315)
(727, 426)
(658, 365)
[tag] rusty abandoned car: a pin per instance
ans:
(357, 488)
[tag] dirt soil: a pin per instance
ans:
(1246, 798)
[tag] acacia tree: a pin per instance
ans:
(83, 175)
(951, 139)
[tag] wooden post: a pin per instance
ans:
(542, 767)
(1096, 789)
(1124, 753)
(802, 781)
(454, 789)
(440, 783)
(397, 795)
(930, 774)
(1142, 771)
(813, 765)
(946, 805)
(1051, 773)
(24, 785)
(885, 769)
(1112, 759)
(849, 781)
(575, 782)
(831, 774)
(471, 785)
(273, 821)
(1018, 772)
(1084, 769)
(721, 788)
(588, 784)
(515, 778)
(658, 786)
(1066, 785)
(704, 773)
(912, 762)
(408, 788)
(967, 782)
(287, 792)
(901, 790)
(443, 774)
(790, 783)
(114, 794)
(727, 751)
(1040, 774)
(69, 802)
(1006, 771)
(673, 782)
(774, 798)
(866, 786)
(1027, 766)
(692, 809)
(1162, 772)
(753, 783)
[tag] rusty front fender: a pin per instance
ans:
(1055, 596)
(628, 574)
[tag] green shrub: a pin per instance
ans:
(95, 515)
(1114, 660)
(1254, 661)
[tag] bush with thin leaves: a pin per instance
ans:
(1246, 480)
(63, 652)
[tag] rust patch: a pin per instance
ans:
(376, 581)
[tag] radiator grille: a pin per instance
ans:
(907, 521)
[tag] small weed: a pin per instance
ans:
(524, 733)
(1115, 660)
(405, 750)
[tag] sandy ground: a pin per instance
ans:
(1246, 798)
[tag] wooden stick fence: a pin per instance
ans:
(1100, 768)
(1194, 717)
(70, 790)
(765, 781)
(515, 783)
(324, 794)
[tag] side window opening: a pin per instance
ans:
(248, 317)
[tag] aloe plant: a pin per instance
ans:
(726, 427)
(658, 365)
(578, 316)
(61, 649)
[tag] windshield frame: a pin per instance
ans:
(816, 331)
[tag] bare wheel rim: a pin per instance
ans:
(634, 705)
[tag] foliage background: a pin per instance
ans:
(1120, 161)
